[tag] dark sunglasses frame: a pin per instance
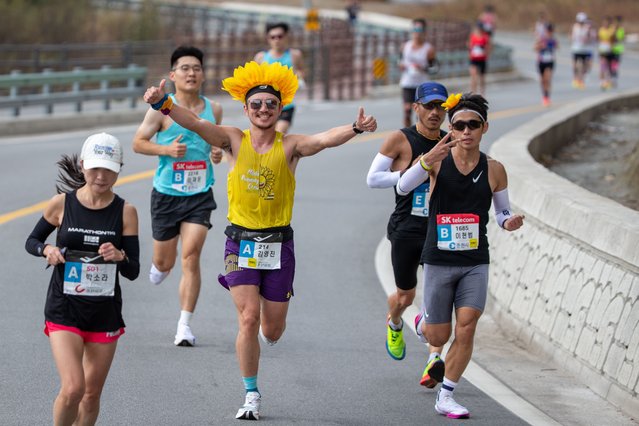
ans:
(432, 105)
(461, 125)
(256, 104)
(277, 36)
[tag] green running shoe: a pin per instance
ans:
(395, 345)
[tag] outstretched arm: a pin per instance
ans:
(306, 146)
(211, 133)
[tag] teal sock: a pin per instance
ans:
(250, 383)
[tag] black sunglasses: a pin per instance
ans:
(276, 36)
(460, 125)
(432, 105)
(257, 103)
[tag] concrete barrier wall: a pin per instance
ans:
(567, 284)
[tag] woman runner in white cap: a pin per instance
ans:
(96, 242)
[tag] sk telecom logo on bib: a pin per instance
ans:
(456, 232)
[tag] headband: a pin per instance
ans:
(264, 88)
(467, 110)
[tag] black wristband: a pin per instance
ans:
(356, 130)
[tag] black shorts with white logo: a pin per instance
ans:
(169, 211)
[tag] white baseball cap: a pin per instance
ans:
(102, 151)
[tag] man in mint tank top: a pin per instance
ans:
(279, 51)
(182, 196)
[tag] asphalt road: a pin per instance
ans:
(331, 366)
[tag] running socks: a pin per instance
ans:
(395, 327)
(434, 355)
(448, 386)
(185, 317)
(250, 384)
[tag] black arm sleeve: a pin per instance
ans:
(130, 267)
(35, 241)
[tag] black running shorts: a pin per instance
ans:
(168, 212)
(405, 256)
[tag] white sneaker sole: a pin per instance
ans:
(452, 415)
(244, 414)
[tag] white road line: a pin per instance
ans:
(476, 375)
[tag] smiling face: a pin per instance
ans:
(263, 110)
(468, 128)
(187, 74)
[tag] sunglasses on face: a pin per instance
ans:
(432, 105)
(256, 104)
(276, 36)
(460, 125)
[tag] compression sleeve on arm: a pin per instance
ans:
(502, 206)
(380, 174)
(411, 179)
(130, 267)
(35, 241)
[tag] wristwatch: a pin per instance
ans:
(355, 129)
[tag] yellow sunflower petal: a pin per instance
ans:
(252, 74)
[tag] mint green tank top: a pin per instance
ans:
(191, 174)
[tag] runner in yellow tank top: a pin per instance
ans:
(259, 255)
(261, 187)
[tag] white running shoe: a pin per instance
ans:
(419, 320)
(251, 408)
(156, 276)
(184, 337)
(266, 339)
(447, 406)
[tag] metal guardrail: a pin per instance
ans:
(50, 88)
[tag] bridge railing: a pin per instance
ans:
(50, 88)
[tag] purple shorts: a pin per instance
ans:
(275, 285)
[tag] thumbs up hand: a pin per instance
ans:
(365, 123)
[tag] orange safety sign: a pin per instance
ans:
(379, 68)
(312, 20)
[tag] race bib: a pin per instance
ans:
(456, 232)
(420, 200)
(260, 250)
(189, 176)
(546, 56)
(477, 52)
(87, 274)
(605, 47)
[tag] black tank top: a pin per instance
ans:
(402, 223)
(84, 229)
(453, 200)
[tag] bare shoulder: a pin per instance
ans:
(494, 165)
(217, 110)
(54, 209)
(129, 209)
(394, 144)
(259, 56)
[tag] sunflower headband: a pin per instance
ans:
(252, 75)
